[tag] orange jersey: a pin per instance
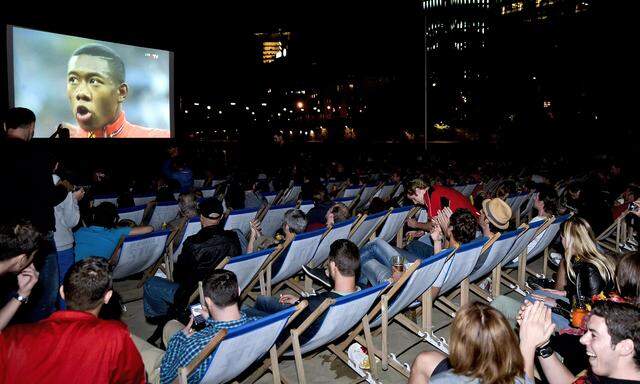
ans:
(120, 129)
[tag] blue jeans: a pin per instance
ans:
(243, 240)
(45, 294)
(265, 306)
(158, 294)
(510, 307)
(376, 256)
(65, 261)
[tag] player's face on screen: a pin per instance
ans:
(94, 95)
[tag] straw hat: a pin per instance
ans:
(497, 212)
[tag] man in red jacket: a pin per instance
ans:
(73, 346)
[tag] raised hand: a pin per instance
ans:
(27, 279)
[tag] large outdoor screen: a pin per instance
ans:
(96, 89)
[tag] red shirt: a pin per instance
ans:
(120, 129)
(432, 199)
(69, 347)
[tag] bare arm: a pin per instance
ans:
(27, 279)
(7, 312)
(142, 230)
(555, 371)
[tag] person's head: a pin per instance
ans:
(498, 212)
(574, 190)
(484, 346)
(462, 226)
(396, 176)
(104, 215)
(612, 339)
(87, 285)
(96, 86)
(18, 245)
(344, 259)
(415, 191)
(173, 151)
(580, 246)
(211, 212)
(628, 277)
(221, 290)
(295, 221)
(337, 213)
(546, 200)
(631, 194)
(188, 204)
(20, 123)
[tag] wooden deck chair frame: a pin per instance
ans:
(364, 204)
(615, 235)
(167, 258)
(294, 342)
(184, 372)
(371, 235)
(265, 270)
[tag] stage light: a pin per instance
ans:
(186, 111)
(208, 107)
(328, 107)
(300, 104)
(219, 112)
(263, 104)
(196, 104)
(232, 104)
(253, 113)
(247, 108)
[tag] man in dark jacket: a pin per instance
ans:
(200, 255)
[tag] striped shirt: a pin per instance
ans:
(182, 349)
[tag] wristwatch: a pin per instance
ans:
(20, 298)
(544, 350)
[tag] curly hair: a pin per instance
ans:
(463, 225)
(17, 239)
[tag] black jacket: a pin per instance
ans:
(200, 255)
(27, 186)
(588, 283)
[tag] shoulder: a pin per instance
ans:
(142, 132)
(120, 231)
(450, 377)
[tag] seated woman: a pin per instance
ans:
(589, 272)
(102, 236)
(483, 349)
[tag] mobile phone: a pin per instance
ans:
(198, 320)
(444, 202)
(633, 206)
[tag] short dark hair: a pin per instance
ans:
(19, 118)
(116, 65)
(86, 283)
(104, 215)
(548, 195)
(222, 288)
(463, 225)
(346, 256)
(415, 184)
(628, 276)
(18, 239)
(623, 322)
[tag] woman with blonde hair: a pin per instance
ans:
(483, 350)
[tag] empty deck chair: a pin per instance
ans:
(134, 214)
(616, 235)
(291, 195)
(353, 191)
(366, 227)
(143, 199)
(368, 192)
(240, 219)
(386, 191)
(198, 183)
(137, 253)
(394, 224)
(468, 189)
(163, 213)
(542, 247)
(232, 351)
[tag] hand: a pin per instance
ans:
(79, 194)
(27, 279)
(288, 299)
(330, 220)
(536, 327)
(204, 312)
(413, 235)
(66, 184)
(255, 229)
(555, 291)
(412, 223)
(483, 221)
(547, 300)
(522, 310)
(436, 233)
(187, 330)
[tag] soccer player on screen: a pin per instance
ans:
(96, 89)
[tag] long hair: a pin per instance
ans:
(484, 346)
(628, 277)
(581, 246)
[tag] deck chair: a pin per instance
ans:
(291, 195)
(339, 316)
(518, 249)
(338, 231)
(352, 191)
(527, 210)
(615, 236)
(542, 247)
(270, 196)
(163, 213)
(234, 350)
(399, 191)
(368, 192)
(137, 253)
(305, 206)
(250, 201)
(246, 267)
(298, 253)
(134, 214)
(240, 219)
(192, 227)
(273, 219)
(459, 187)
(414, 283)
(468, 189)
(386, 191)
(208, 191)
(394, 224)
(366, 227)
(515, 202)
(198, 183)
(110, 198)
(345, 200)
(143, 199)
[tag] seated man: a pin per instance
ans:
(344, 261)
(222, 300)
(102, 236)
(336, 213)
(18, 245)
(201, 253)
(612, 343)
(73, 344)
(295, 222)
